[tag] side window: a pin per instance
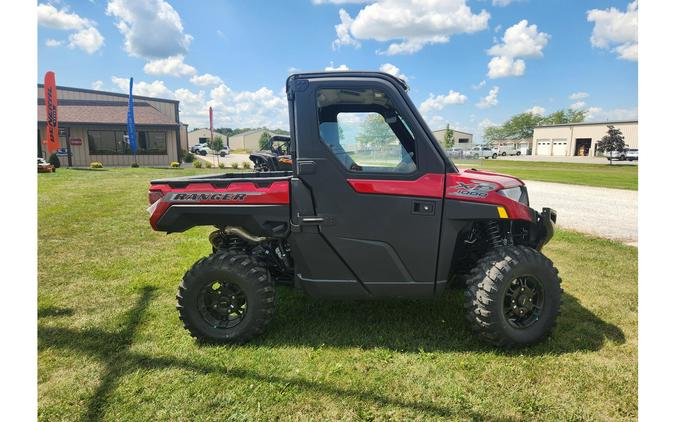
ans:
(364, 131)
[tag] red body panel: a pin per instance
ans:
(467, 185)
(429, 185)
(479, 186)
(236, 193)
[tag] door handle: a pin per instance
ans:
(423, 208)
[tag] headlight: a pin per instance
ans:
(518, 194)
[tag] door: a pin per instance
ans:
(376, 182)
(543, 147)
(559, 147)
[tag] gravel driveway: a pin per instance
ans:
(609, 213)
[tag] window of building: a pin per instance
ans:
(114, 142)
(463, 140)
(365, 132)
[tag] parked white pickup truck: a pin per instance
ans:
(483, 152)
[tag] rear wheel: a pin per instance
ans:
(227, 297)
(513, 296)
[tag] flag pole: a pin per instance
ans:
(131, 126)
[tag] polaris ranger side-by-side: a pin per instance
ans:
(372, 208)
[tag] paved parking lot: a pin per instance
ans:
(610, 213)
(228, 159)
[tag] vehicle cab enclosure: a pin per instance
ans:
(377, 209)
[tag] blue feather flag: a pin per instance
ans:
(131, 126)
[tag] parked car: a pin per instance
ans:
(204, 150)
(632, 154)
(510, 150)
(44, 167)
(455, 152)
(225, 151)
(194, 148)
(483, 152)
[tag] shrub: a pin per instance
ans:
(96, 165)
(174, 164)
(188, 157)
(208, 164)
(197, 164)
(235, 165)
(135, 165)
(54, 160)
(246, 165)
(221, 165)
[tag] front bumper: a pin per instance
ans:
(544, 227)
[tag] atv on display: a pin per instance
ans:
(274, 156)
(370, 208)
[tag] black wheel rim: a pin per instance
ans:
(523, 301)
(222, 304)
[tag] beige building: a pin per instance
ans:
(247, 140)
(202, 136)
(93, 124)
(463, 140)
(579, 138)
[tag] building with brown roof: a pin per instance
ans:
(93, 127)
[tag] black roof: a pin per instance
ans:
(348, 74)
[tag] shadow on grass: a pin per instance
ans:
(403, 326)
(412, 326)
(113, 349)
(53, 311)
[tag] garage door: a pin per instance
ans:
(559, 147)
(543, 147)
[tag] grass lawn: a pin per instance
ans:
(602, 175)
(111, 346)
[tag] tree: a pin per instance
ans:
(264, 139)
(449, 137)
(217, 143)
(565, 116)
(374, 132)
(613, 141)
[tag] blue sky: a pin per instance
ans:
(470, 63)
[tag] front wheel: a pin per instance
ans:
(227, 297)
(494, 156)
(513, 296)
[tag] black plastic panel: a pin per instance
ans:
(258, 220)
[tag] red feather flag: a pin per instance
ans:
(51, 105)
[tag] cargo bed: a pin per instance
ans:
(256, 202)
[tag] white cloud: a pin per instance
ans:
(173, 66)
(578, 105)
(53, 43)
(342, 32)
(412, 23)
(501, 3)
(341, 68)
(152, 29)
(435, 121)
(50, 17)
(597, 114)
(206, 79)
(538, 110)
(147, 89)
(439, 102)
(97, 85)
(479, 85)
(578, 95)
(519, 40)
(185, 96)
(393, 70)
(489, 100)
(502, 67)
(89, 40)
(614, 28)
(86, 37)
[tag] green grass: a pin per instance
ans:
(602, 175)
(111, 346)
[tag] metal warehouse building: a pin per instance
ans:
(93, 124)
(463, 140)
(579, 138)
(247, 140)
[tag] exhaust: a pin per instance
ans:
(234, 231)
